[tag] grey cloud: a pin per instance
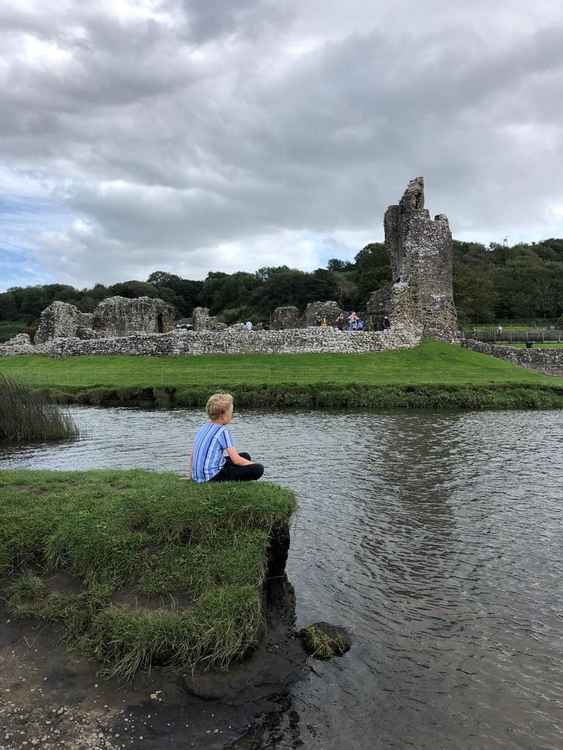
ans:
(209, 19)
(171, 137)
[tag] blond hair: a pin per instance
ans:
(219, 404)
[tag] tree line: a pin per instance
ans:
(523, 282)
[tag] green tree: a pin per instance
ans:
(373, 270)
(133, 289)
(8, 306)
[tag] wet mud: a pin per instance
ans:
(52, 697)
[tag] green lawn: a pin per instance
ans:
(430, 363)
(433, 375)
(140, 567)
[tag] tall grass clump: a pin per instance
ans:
(26, 415)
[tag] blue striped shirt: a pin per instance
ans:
(208, 457)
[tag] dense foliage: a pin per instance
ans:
(523, 282)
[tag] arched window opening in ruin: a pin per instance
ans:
(160, 323)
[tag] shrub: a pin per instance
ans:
(26, 415)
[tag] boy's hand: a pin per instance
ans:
(237, 459)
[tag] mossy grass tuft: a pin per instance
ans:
(140, 568)
(27, 415)
(323, 641)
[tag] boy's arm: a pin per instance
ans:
(236, 458)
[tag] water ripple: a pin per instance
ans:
(436, 538)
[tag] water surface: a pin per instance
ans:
(436, 538)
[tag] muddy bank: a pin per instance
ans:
(54, 698)
(55, 694)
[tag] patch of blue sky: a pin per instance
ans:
(19, 268)
(327, 247)
(23, 220)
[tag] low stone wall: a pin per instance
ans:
(548, 361)
(181, 343)
(20, 344)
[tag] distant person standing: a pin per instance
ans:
(386, 322)
(352, 321)
(248, 325)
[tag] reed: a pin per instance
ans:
(27, 415)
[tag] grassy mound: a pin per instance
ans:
(140, 568)
(27, 415)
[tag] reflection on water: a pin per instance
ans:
(435, 538)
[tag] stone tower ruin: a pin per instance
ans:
(420, 250)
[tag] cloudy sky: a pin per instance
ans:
(197, 135)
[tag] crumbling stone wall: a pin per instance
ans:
(287, 317)
(378, 306)
(203, 321)
(19, 344)
(232, 341)
(120, 316)
(59, 319)
(548, 361)
(315, 312)
(420, 250)
(114, 316)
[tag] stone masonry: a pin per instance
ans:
(114, 316)
(121, 316)
(203, 321)
(19, 344)
(284, 318)
(232, 341)
(288, 317)
(315, 312)
(548, 361)
(61, 319)
(420, 250)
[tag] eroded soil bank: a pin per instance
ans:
(325, 396)
(53, 698)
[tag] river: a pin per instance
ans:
(436, 538)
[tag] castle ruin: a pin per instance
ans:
(114, 316)
(420, 250)
(418, 302)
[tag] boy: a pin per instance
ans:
(213, 440)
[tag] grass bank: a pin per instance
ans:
(141, 568)
(433, 375)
